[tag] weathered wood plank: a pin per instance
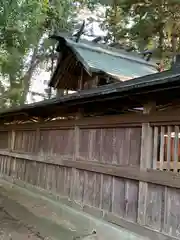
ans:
(98, 192)
(118, 196)
(155, 148)
(169, 148)
(135, 146)
(153, 176)
(131, 200)
(176, 149)
(154, 206)
(89, 188)
(162, 148)
(106, 201)
(172, 212)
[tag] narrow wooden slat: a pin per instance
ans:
(176, 148)
(12, 140)
(171, 166)
(155, 148)
(162, 148)
(169, 148)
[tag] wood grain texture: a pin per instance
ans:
(154, 206)
(118, 196)
(153, 176)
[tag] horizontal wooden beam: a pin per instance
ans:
(169, 179)
(122, 120)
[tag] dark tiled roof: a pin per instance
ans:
(158, 82)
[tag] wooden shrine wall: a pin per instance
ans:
(124, 170)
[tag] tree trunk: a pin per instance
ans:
(174, 42)
(26, 81)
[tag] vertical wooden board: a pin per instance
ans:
(155, 147)
(10, 171)
(27, 171)
(142, 201)
(30, 172)
(92, 133)
(49, 177)
(97, 146)
(168, 157)
(118, 196)
(67, 181)
(53, 178)
(79, 186)
(162, 147)
(176, 149)
(1, 164)
(61, 181)
(126, 147)
(98, 190)
(64, 139)
(40, 175)
(172, 212)
(32, 141)
(84, 143)
(5, 165)
(118, 148)
(154, 206)
(73, 183)
(24, 143)
(8, 166)
(17, 168)
(145, 162)
(89, 188)
(57, 179)
(107, 193)
(4, 159)
(35, 171)
(107, 145)
(70, 143)
(135, 146)
(52, 141)
(131, 200)
(22, 169)
(44, 176)
(44, 141)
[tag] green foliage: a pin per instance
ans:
(24, 29)
(154, 24)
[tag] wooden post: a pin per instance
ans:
(76, 154)
(146, 162)
(12, 140)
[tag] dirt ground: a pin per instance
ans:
(15, 229)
